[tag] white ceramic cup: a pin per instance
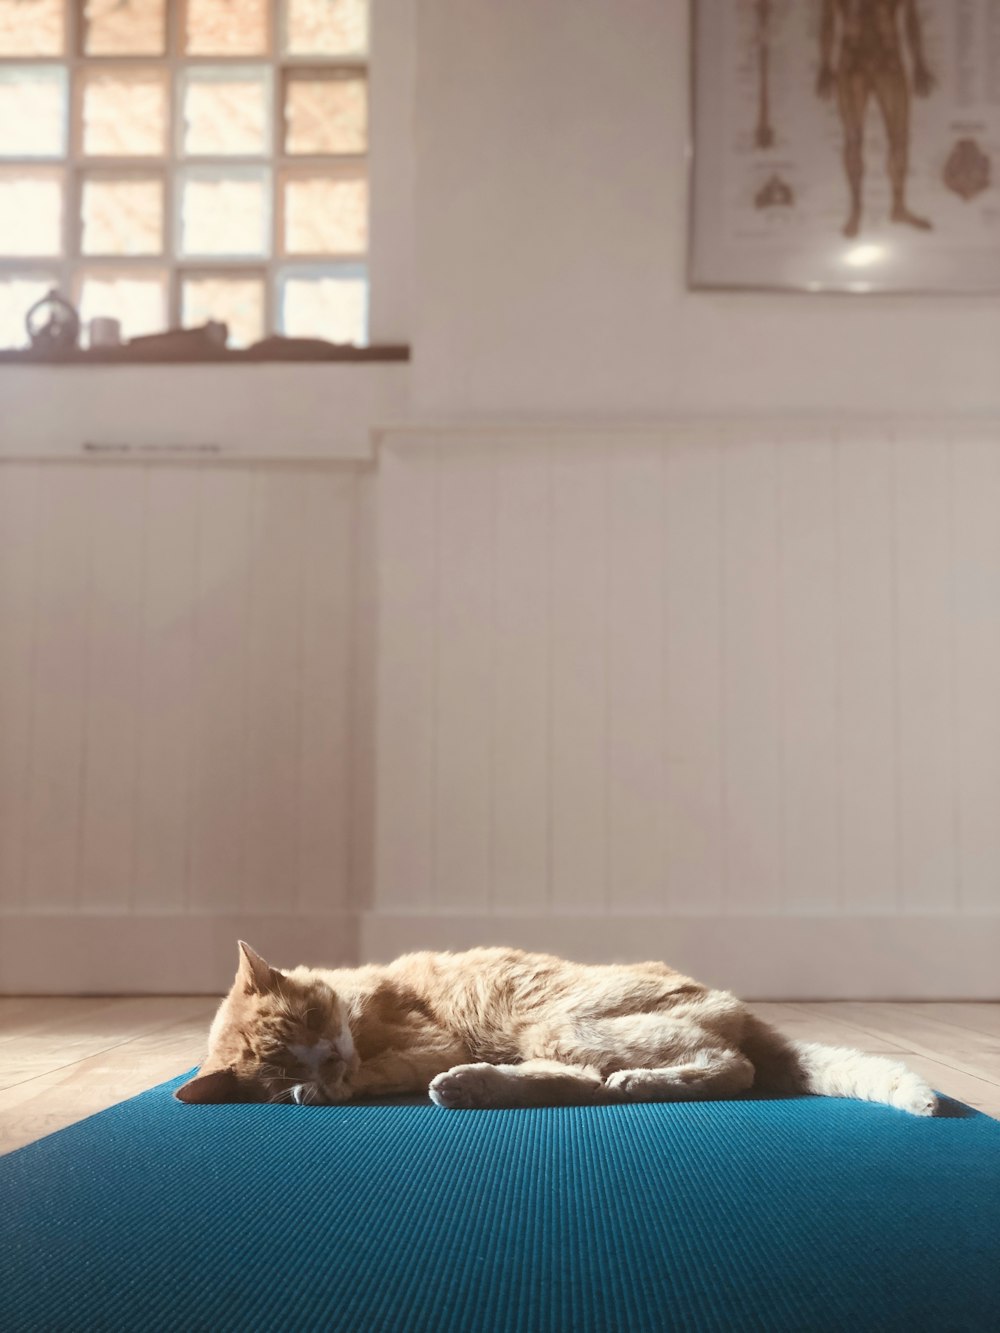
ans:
(105, 332)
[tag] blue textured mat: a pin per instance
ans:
(805, 1214)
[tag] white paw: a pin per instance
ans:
(630, 1083)
(912, 1094)
(464, 1087)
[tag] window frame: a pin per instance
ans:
(71, 265)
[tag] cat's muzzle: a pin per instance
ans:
(308, 1094)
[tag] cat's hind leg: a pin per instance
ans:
(711, 1073)
(652, 1040)
(533, 1083)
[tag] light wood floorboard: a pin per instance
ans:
(63, 1059)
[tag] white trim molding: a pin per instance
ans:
(158, 954)
(758, 958)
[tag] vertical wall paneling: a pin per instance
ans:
(273, 715)
(546, 685)
(359, 636)
(406, 691)
(463, 707)
(708, 671)
(18, 559)
(693, 689)
(636, 612)
(56, 769)
(579, 682)
(110, 667)
(179, 685)
(810, 764)
(751, 667)
(169, 648)
(977, 669)
(325, 781)
(521, 648)
(924, 488)
(866, 614)
(218, 761)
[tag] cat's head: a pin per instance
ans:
(277, 1037)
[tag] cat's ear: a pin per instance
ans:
(254, 974)
(219, 1085)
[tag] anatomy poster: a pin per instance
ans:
(849, 145)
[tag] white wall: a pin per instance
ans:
(856, 752)
(808, 815)
(726, 695)
(184, 719)
(551, 215)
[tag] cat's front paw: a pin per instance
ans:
(629, 1085)
(464, 1087)
(911, 1093)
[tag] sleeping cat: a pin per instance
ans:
(500, 1027)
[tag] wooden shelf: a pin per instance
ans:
(224, 356)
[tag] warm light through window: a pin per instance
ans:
(189, 162)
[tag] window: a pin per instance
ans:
(167, 162)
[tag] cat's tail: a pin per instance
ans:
(783, 1064)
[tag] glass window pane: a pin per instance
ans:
(226, 112)
(236, 300)
(32, 111)
(224, 212)
(325, 215)
(226, 28)
(124, 112)
(331, 304)
(18, 293)
(32, 27)
(137, 300)
(122, 215)
(124, 27)
(31, 211)
(326, 112)
(325, 27)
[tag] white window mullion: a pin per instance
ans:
(272, 295)
(173, 38)
(72, 222)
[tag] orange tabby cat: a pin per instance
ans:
(499, 1027)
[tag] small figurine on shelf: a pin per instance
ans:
(52, 323)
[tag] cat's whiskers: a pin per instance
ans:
(275, 1074)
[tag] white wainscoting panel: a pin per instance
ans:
(867, 715)
(180, 718)
(699, 674)
(976, 612)
(726, 695)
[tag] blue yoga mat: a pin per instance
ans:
(807, 1214)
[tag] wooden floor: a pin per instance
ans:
(63, 1059)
